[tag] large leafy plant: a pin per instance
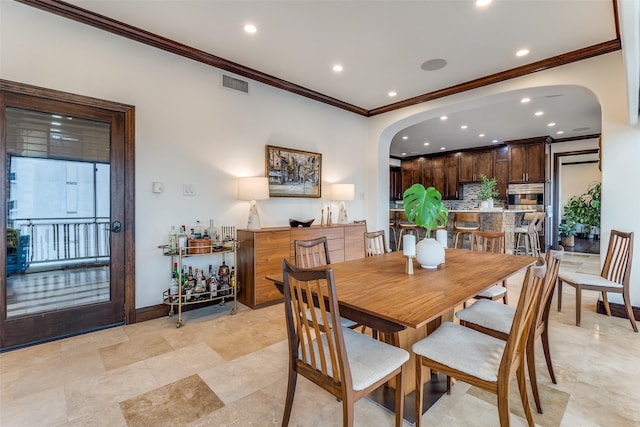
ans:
(488, 188)
(424, 207)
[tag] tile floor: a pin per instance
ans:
(222, 370)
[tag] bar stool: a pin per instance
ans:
(465, 223)
(527, 240)
(407, 227)
(393, 229)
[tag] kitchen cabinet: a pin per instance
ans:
(451, 177)
(501, 170)
(395, 183)
(260, 254)
(526, 162)
(411, 172)
(474, 164)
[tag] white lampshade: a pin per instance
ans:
(341, 192)
(253, 188)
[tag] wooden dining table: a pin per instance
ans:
(377, 292)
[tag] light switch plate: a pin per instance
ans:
(188, 189)
(157, 187)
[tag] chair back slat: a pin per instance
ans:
(311, 293)
(311, 253)
(375, 243)
(522, 320)
(617, 264)
(488, 241)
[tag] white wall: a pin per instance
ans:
(188, 129)
(604, 76)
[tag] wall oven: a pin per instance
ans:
(526, 196)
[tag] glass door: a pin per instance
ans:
(63, 266)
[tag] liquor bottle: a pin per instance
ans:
(173, 239)
(197, 231)
(232, 280)
(173, 286)
(182, 238)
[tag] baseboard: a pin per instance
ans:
(162, 310)
(618, 310)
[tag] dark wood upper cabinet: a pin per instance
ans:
(501, 170)
(395, 183)
(451, 177)
(526, 162)
(474, 164)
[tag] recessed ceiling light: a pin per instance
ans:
(426, 143)
(495, 141)
(560, 132)
(337, 68)
(481, 3)
(392, 93)
(552, 124)
(250, 28)
(433, 64)
(481, 135)
(404, 154)
(405, 137)
(522, 52)
(443, 118)
(525, 100)
(539, 113)
(443, 148)
(463, 127)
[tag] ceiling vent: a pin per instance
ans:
(235, 84)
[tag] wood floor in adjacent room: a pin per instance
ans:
(223, 370)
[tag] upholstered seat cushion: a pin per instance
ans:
(489, 314)
(494, 291)
(463, 349)
(588, 280)
(345, 323)
(369, 359)
(465, 227)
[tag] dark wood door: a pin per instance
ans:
(517, 163)
(535, 162)
(467, 167)
(395, 183)
(451, 177)
(438, 173)
(501, 171)
(54, 322)
(483, 165)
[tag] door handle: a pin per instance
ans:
(116, 226)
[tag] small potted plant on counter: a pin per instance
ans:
(487, 192)
(424, 207)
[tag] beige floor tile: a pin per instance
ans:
(132, 351)
(182, 363)
(44, 408)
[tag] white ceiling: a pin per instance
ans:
(382, 44)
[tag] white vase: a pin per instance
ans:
(429, 253)
(484, 204)
(490, 203)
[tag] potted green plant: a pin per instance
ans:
(424, 207)
(567, 232)
(592, 200)
(487, 191)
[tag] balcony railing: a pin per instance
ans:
(66, 241)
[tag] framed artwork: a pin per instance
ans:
(293, 173)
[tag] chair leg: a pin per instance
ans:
(347, 411)
(419, 386)
(504, 298)
(605, 302)
(288, 402)
(559, 285)
(503, 405)
(531, 367)
(400, 398)
(578, 303)
(522, 385)
(544, 337)
(627, 306)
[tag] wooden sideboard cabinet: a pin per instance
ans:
(260, 253)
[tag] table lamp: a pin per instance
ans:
(342, 192)
(253, 188)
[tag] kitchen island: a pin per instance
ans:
(496, 219)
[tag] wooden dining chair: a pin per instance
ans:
(613, 278)
(480, 359)
(494, 242)
(347, 364)
(375, 243)
(496, 320)
(315, 253)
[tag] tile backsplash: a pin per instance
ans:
(470, 199)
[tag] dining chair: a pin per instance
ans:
(480, 359)
(375, 243)
(347, 364)
(494, 242)
(614, 276)
(464, 223)
(496, 320)
(315, 253)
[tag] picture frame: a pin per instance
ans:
(293, 173)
